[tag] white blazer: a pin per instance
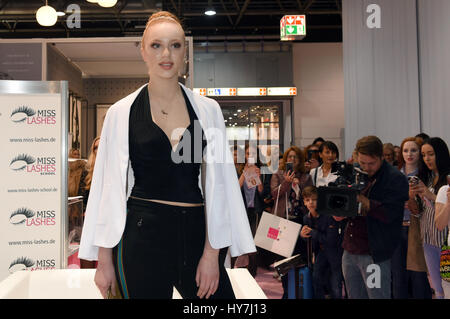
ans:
(113, 180)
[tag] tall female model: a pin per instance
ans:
(165, 202)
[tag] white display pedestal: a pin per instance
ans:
(79, 284)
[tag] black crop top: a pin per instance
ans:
(161, 173)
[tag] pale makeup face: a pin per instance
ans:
(411, 153)
(164, 49)
(429, 157)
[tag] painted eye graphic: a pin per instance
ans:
(21, 263)
(21, 161)
(19, 216)
(21, 113)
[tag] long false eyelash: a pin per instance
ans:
(23, 157)
(24, 109)
(28, 213)
(22, 261)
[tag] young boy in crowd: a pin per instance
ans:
(326, 235)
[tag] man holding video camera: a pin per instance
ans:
(371, 237)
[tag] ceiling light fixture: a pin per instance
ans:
(92, 1)
(210, 11)
(107, 3)
(46, 15)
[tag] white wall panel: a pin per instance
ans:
(381, 72)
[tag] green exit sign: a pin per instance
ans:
(292, 27)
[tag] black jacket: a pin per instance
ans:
(327, 234)
(384, 219)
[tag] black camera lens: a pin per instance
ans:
(337, 202)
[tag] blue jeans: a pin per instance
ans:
(364, 282)
(433, 258)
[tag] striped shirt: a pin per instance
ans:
(430, 234)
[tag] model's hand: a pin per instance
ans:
(105, 278)
(207, 277)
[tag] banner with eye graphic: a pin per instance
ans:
(33, 176)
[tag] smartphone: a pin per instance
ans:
(414, 180)
(289, 167)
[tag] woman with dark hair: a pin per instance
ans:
(432, 176)
(408, 261)
(322, 175)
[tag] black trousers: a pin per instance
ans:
(160, 248)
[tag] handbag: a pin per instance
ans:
(445, 262)
(276, 234)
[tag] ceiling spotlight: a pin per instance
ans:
(92, 1)
(60, 14)
(107, 3)
(46, 15)
(210, 11)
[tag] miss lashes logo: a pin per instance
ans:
(25, 114)
(25, 263)
(29, 218)
(41, 165)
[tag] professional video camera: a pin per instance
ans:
(339, 197)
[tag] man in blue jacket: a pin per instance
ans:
(370, 238)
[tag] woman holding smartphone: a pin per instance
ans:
(312, 157)
(408, 261)
(165, 204)
(287, 185)
(322, 175)
(432, 177)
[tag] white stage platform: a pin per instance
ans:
(79, 284)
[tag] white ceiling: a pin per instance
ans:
(105, 59)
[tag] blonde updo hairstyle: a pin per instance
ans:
(158, 17)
